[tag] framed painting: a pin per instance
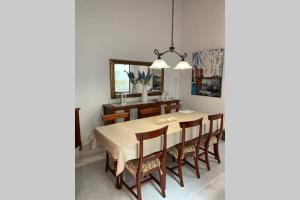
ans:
(207, 72)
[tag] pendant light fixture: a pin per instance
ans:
(159, 63)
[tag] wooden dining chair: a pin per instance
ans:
(169, 108)
(186, 148)
(149, 112)
(111, 119)
(212, 138)
(146, 165)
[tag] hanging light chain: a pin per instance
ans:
(172, 43)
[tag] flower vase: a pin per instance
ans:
(144, 94)
(134, 89)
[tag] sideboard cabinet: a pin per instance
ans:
(112, 108)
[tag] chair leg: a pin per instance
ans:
(138, 187)
(107, 161)
(173, 159)
(206, 158)
(180, 171)
(196, 165)
(216, 152)
(162, 178)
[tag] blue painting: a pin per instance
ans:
(207, 72)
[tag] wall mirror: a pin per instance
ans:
(124, 78)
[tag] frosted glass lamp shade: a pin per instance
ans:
(159, 64)
(183, 65)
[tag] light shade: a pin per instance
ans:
(183, 65)
(159, 64)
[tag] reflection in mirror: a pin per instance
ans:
(127, 78)
(121, 78)
(123, 83)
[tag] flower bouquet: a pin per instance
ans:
(144, 80)
(134, 81)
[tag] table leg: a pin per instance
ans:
(117, 177)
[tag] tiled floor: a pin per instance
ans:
(93, 183)
(86, 157)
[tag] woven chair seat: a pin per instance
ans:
(132, 166)
(174, 151)
(213, 139)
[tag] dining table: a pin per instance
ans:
(120, 141)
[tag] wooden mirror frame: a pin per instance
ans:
(112, 62)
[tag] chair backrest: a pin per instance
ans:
(149, 112)
(161, 154)
(168, 108)
(112, 118)
(215, 132)
(190, 124)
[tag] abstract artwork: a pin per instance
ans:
(207, 72)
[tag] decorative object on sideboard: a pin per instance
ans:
(207, 72)
(123, 98)
(159, 63)
(145, 81)
(144, 95)
(165, 96)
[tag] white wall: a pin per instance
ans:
(203, 27)
(121, 29)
